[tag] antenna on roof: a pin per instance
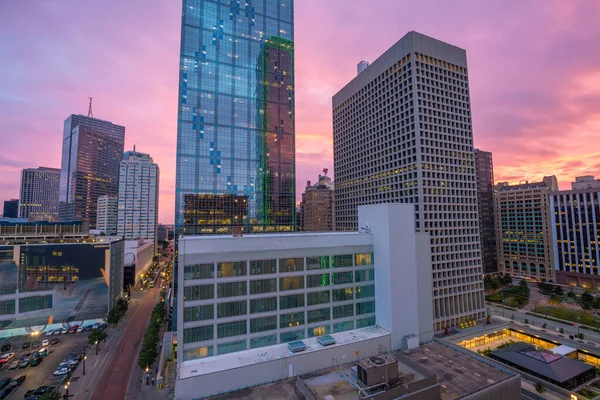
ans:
(90, 114)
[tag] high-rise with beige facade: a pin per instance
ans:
(523, 229)
(317, 206)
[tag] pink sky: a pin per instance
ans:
(534, 77)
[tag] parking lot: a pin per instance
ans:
(42, 374)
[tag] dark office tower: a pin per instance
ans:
(235, 134)
(11, 208)
(484, 172)
(402, 134)
(92, 151)
(38, 199)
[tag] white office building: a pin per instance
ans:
(138, 197)
(106, 215)
(402, 134)
(248, 294)
(38, 200)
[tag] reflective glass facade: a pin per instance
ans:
(235, 135)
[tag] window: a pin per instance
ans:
(231, 347)
(318, 315)
(364, 275)
(263, 341)
(291, 336)
(7, 307)
(317, 280)
(198, 271)
(363, 259)
(342, 261)
(198, 313)
(197, 353)
(291, 264)
(231, 309)
(343, 311)
(231, 289)
(293, 319)
(263, 305)
(321, 262)
(343, 326)
(319, 330)
(198, 334)
(317, 298)
(35, 303)
(262, 267)
(293, 301)
(341, 278)
(361, 323)
(365, 308)
(231, 329)
(364, 291)
(291, 283)
(342, 294)
(263, 324)
(200, 292)
(231, 269)
(263, 286)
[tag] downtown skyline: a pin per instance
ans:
(533, 79)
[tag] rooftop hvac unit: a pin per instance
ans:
(376, 370)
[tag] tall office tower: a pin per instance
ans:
(402, 133)
(524, 243)
(575, 224)
(484, 172)
(235, 134)
(107, 214)
(38, 200)
(11, 208)
(138, 197)
(317, 206)
(92, 151)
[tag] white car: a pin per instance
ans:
(64, 331)
(57, 332)
(50, 332)
(61, 371)
(14, 365)
(45, 343)
(80, 329)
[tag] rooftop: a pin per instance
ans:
(189, 369)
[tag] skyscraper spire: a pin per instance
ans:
(90, 114)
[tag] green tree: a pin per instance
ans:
(96, 335)
(51, 396)
(113, 317)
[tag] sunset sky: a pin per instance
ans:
(534, 70)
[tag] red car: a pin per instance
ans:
(73, 329)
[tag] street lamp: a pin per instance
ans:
(84, 358)
(67, 390)
(578, 327)
(96, 347)
(147, 376)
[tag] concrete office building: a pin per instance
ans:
(91, 152)
(11, 208)
(138, 197)
(106, 216)
(138, 259)
(484, 172)
(402, 134)
(523, 231)
(38, 199)
(262, 291)
(317, 206)
(575, 225)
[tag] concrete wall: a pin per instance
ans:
(143, 250)
(424, 287)
(257, 374)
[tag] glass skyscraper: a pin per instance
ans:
(235, 133)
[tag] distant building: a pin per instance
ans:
(91, 153)
(317, 206)
(362, 66)
(11, 208)
(138, 258)
(523, 231)
(138, 197)
(484, 173)
(166, 232)
(575, 224)
(106, 217)
(38, 200)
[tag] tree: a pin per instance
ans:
(113, 317)
(554, 299)
(539, 388)
(51, 396)
(562, 330)
(96, 335)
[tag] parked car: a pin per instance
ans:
(6, 358)
(36, 344)
(25, 345)
(4, 382)
(80, 329)
(64, 331)
(50, 332)
(6, 347)
(87, 328)
(19, 379)
(61, 371)
(14, 365)
(24, 364)
(45, 343)
(43, 352)
(57, 331)
(25, 356)
(36, 361)
(54, 342)
(73, 329)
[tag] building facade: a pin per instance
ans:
(575, 224)
(585, 182)
(91, 153)
(523, 231)
(106, 216)
(235, 134)
(317, 206)
(484, 172)
(138, 197)
(11, 208)
(402, 133)
(239, 293)
(38, 199)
